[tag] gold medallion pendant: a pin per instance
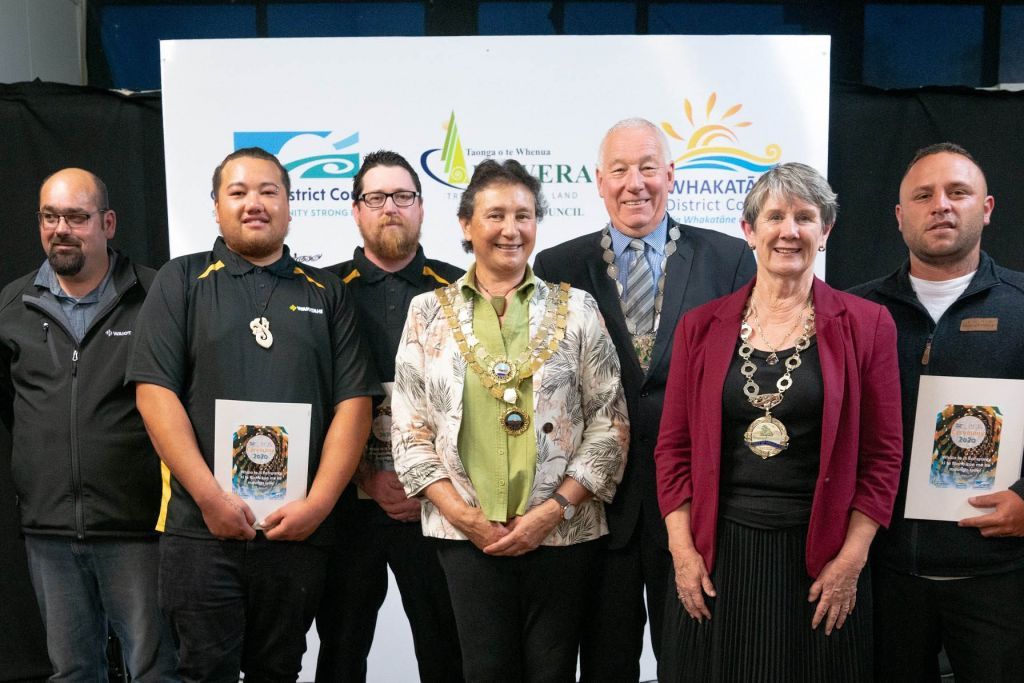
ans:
(502, 371)
(502, 376)
(766, 437)
(515, 421)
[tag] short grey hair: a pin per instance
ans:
(633, 123)
(792, 180)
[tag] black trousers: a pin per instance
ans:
(357, 583)
(980, 622)
(518, 617)
(613, 630)
(240, 605)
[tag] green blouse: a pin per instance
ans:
(500, 465)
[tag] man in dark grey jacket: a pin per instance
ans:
(87, 478)
(686, 267)
(957, 585)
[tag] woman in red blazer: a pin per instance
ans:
(778, 458)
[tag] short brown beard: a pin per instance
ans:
(393, 245)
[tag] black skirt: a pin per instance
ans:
(760, 628)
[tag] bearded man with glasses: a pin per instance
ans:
(378, 526)
(87, 478)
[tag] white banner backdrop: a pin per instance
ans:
(732, 107)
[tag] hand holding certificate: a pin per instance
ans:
(1007, 519)
(261, 455)
(968, 437)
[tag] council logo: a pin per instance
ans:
(447, 164)
(309, 154)
(713, 142)
(452, 164)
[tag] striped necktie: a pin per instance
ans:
(639, 303)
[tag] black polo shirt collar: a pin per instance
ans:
(370, 272)
(238, 265)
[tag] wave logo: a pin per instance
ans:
(307, 154)
(712, 144)
(451, 170)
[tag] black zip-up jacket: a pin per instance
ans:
(933, 548)
(82, 462)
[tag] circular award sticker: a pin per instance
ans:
(260, 449)
(967, 432)
(382, 427)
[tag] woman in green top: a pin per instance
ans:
(509, 423)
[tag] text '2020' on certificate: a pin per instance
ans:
(968, 435)
(261, 452)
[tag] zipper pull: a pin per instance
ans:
(74, 362)
(46, 331)
(927, 351)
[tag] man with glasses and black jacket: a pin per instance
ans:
(87, 478)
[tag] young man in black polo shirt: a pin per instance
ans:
(377, 525)
(246, 322)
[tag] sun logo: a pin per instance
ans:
(713, 143)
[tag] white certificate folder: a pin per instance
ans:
(261, 452)
(968, 437)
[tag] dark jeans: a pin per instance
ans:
(240, 605)
(357, 583)
(519, 617)
(83, 585)
(613, 628)
(978, 620)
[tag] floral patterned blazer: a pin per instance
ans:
(579, 413)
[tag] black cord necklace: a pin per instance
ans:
(260, 325)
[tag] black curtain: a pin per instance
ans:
(873, 134)
(45, 127)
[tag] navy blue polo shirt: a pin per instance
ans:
(193, 337)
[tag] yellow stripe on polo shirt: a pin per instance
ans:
(429, 272)
(212, 268)
(300, 271)
(165, 496)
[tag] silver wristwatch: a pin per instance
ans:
(568, 509)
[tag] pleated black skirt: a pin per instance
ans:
(760, 628)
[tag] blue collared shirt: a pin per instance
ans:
(655, 252)
(78, 313)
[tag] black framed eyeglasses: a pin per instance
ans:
(375, 200)
(74, 220)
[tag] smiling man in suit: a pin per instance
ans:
(645, 270)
